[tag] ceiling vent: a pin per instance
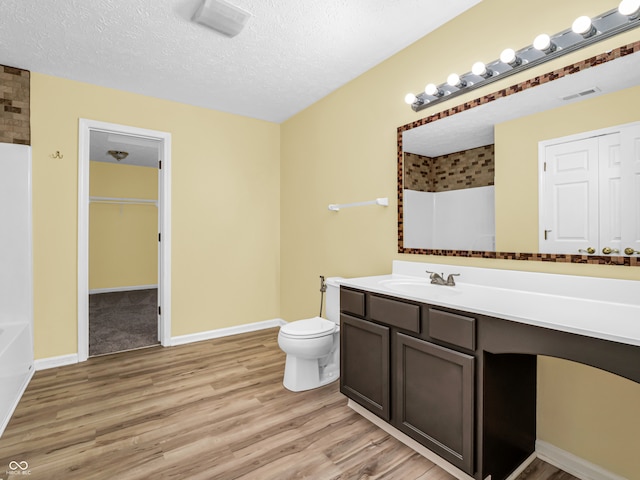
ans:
(584, 93)
(221, 16)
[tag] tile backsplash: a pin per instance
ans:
(455, 171)
(14, 106)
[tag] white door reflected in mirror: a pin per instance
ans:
(589, 188)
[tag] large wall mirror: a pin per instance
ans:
(468, 179)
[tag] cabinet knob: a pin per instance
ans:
(630, 251)
(608, 250)
(588, 250)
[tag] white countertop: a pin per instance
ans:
(608, 309)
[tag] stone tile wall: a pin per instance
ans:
(14, 106)
(465, 169)
(418, 172)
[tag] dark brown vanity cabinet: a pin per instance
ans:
(419, 384)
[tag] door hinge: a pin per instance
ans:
(159, 310)
(545, 166)
(159, 237)
(159, 164)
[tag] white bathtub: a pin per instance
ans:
(16, 367)
(16, 277)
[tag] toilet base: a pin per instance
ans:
(302, 374)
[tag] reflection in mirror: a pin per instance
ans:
(589, 192)
(429, 171)
(449, 199)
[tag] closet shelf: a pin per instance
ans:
(123, 201)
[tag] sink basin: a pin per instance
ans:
(418, 287)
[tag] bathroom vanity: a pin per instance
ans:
(454, 367)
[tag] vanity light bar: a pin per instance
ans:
(584, 32)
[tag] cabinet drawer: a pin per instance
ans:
(395, 313)
(352, 302)
(452, 328)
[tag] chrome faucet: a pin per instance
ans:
(437, 279)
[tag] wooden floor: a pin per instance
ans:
(209, 410)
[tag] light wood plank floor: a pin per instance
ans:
(210, 410)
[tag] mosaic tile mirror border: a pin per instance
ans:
(540, 257)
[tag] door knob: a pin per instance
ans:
(608, 250)
(588, 250)
(630, 251)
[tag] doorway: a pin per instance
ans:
(124, 239)
(123, 242)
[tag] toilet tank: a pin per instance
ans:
(333, 299)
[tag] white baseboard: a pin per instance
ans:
(53, 362)
(570, 463)
(25, 384)
(225, 332)
(122, 289)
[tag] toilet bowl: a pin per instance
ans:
(312, 346)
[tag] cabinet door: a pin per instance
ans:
(435, 398)
(364, 364)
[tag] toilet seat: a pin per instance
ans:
(308, 328)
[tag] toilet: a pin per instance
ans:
(312, 346)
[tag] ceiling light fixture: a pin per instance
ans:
(583, 32)
(118, 154)
(222, 17)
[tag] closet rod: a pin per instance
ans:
(123, 201)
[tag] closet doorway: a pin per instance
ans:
(124, 244)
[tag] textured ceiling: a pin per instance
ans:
(291, 53)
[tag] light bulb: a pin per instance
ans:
(410, 98)
(543, 43)
(454, 80)
(583, 26)
(508, 55)
(431, 89)
(479, 69)
(631, 8)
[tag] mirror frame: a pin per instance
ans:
(630, 261)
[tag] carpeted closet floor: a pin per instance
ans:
(122, 321)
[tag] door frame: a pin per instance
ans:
(85, 127)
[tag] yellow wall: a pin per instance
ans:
(123, 239)
(343, 149)
(517, 159)
(225, 209)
